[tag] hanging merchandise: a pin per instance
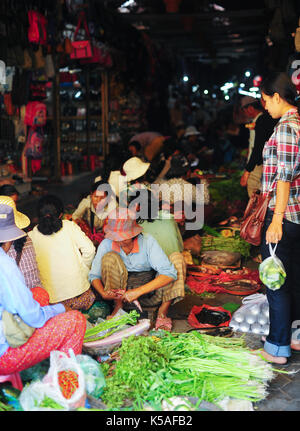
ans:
(2, 72)
(49, 66)
(34, 144)
(297, 38)
(101, 55)
(9, 107)
(81, 48)
(27, 60)
(39, 61)
(36, 114)
(252, 316)
(37, 31)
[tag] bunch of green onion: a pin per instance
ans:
(111, 325)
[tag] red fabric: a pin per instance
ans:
(63, 332)
(209, 282)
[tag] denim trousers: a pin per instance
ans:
(284, 304)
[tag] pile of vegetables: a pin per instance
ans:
(109, 327)
(152, 369)
(235, 244)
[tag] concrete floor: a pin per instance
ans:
(284, 389)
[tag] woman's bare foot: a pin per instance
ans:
(280, 360)
(295, 345)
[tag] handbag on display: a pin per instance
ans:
(16, 331)
(81, 48)
(254, 218)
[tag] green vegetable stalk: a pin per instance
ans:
(113, 324)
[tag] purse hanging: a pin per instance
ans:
(254, 218)
(15, 330)
(81, 48)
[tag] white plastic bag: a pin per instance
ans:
(34, 398)
(94, 378)
(271, 271)
(251, 316)
(59, 361)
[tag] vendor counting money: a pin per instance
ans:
(128, 260)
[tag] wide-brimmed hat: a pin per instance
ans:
(121, 225)
(21, 220)
(8, 229)
(135, 168)
(190, 131)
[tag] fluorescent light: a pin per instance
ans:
(242, 85)
(254, 89)
(248, 93)
(227, 97)
(185, 78)
(205, 91)
(227, 86)
(247, 73)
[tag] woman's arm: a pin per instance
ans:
(274, 232)
(157, 283)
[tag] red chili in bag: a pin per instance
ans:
(68, 382)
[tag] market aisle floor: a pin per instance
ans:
(284, 389)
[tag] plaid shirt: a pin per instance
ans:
(27, 264)
(281, 161)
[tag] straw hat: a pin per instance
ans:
(8, 229)
(190, 131)
(135, 168)
(21, 220)
(121, 225)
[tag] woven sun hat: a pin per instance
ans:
(121, 225)
(135, 168)
(21, 220)
(8, 229)
(190, 131)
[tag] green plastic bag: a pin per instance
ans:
(271, 271)
(93, 375)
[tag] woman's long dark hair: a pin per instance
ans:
(281, 83)
(18, 246)
(50, 209)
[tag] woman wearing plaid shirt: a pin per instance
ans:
(281, 174)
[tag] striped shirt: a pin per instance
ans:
(281, 162)
(28, 265)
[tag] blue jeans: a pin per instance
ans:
(284, 304)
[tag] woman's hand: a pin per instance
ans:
(274, 232)
(110, 296)
(131, 295)
(244, 179)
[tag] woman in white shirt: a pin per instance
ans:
(64, 256)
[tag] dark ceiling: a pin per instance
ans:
(224, 35)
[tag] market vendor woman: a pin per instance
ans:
(128, 259)
(90, 216)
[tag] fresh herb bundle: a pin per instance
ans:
(237, 245)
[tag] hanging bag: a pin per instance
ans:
(271, 270)
(16, 331)
(254, 218)
(81, 48)
(37, 31)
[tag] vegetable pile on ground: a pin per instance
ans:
(236, 244)
(152, 369)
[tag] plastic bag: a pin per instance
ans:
(93, 375)
(39, 396)
(59, 361)
(252, 316)
(271, 271)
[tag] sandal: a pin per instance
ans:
(164, 323)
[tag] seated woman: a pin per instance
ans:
(88, 215)
(57, 328)
(22, 250)
(134, 263)
(64, 255)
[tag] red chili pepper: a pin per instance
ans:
(68, 382)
